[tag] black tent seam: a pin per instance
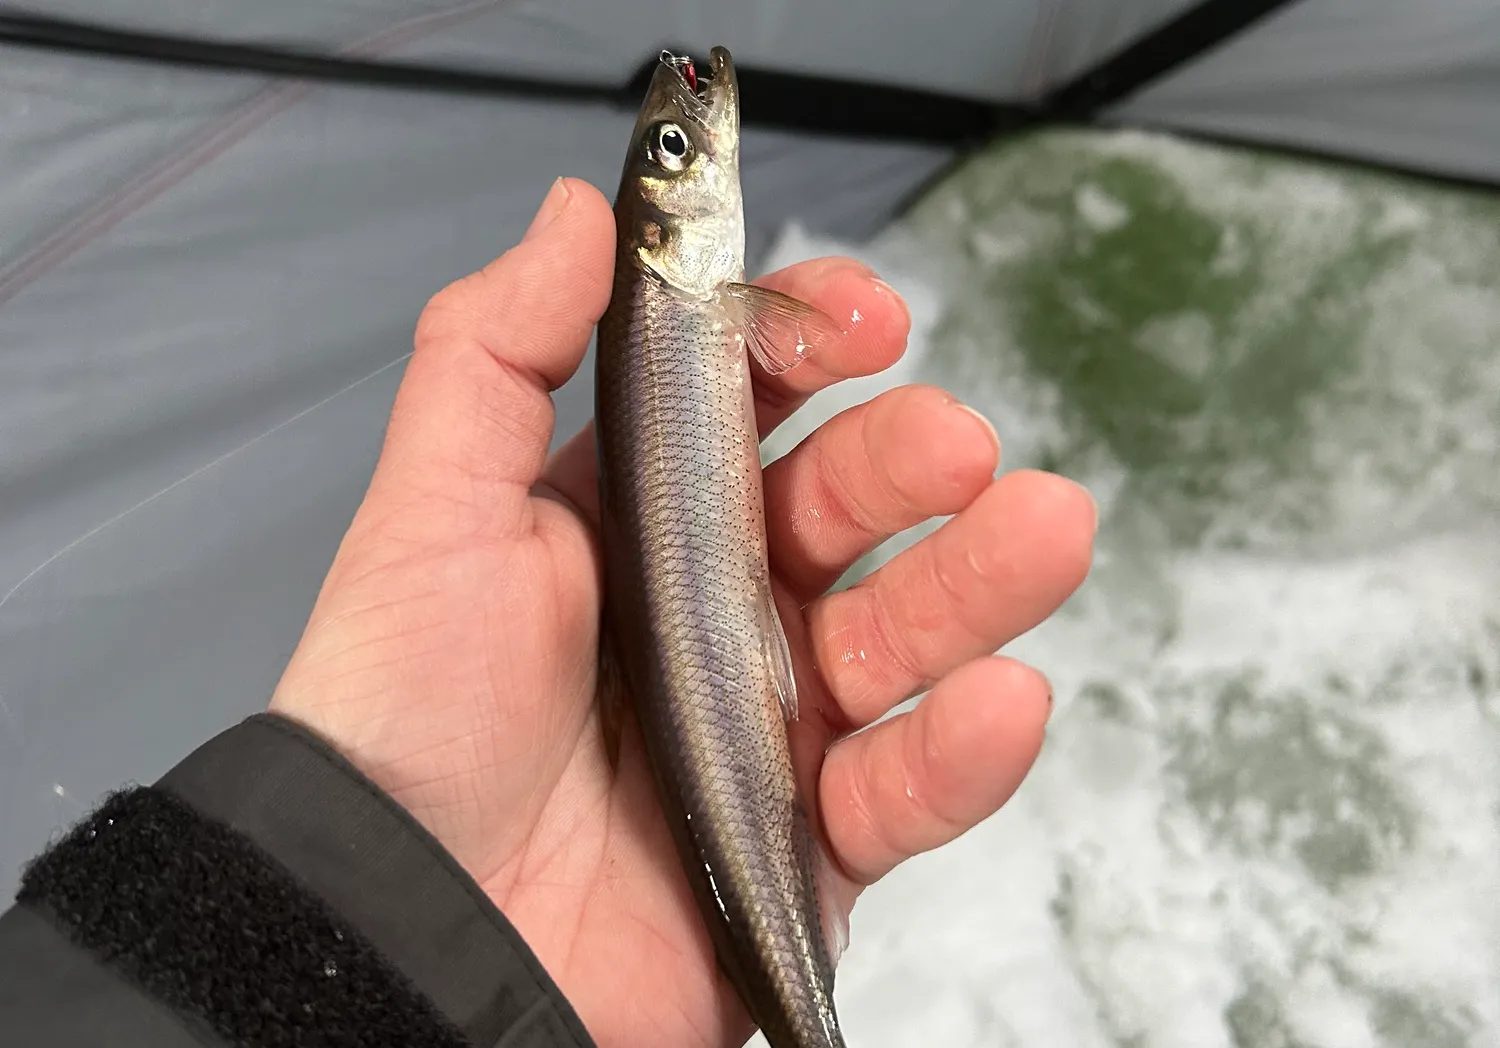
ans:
(23, 29)
(791, 101)
(1176, 42)
(772, 98)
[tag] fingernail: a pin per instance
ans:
(989, 426)
(555, 204)
(882, 286)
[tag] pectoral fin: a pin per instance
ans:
(780, 331)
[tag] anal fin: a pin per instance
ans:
(779, 656)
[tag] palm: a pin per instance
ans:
(452, 651)
(574, 850)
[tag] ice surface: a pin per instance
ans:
(1268, 811)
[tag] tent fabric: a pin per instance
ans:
(953, 45)
(1071, 36)
(208, 281)
(1407, 85)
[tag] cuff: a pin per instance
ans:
(266, 874)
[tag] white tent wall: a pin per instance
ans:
(1412, 85)
(1009, 51)
(947, 45)
(954, 45)
(1071, 36)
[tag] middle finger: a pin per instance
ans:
(988, 575)
(868, 473)
(873, 317)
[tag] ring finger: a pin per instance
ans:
(989, 574)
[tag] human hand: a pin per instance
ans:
(451, 653)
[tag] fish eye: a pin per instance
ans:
(671, 146)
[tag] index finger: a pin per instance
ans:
(872, 315)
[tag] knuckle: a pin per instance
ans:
(884, 438)
(881, 850)
(953, 583)
(924, 769)
(447, 313)
(832, 489)
(903, 673)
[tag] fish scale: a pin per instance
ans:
(689, 613)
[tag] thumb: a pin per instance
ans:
(473, 418)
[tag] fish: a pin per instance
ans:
(691, 632)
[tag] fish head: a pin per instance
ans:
(679, 207)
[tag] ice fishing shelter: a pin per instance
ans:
(219, 221)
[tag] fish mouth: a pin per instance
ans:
(708, 97)
(702, 85)
(683, 66)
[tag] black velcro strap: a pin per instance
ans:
(202, 920)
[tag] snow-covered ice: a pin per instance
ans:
(1268, 811)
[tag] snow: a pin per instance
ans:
(1268, 810)
(1100, 210)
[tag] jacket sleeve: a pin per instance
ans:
(265, 893)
